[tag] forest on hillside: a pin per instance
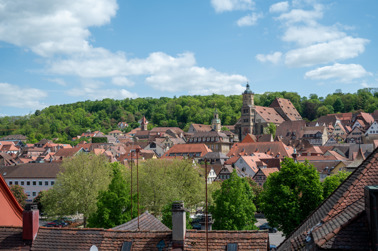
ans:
(69, 120)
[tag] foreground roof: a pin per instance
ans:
(340, 222)
(147, 222)
(83, 239)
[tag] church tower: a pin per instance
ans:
(216, 122)
(143, 124)
(247, 114)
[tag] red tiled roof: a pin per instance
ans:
(342, 216)
(286, 108)
(269, 114)
(67, 152)
(268, 171)
(115, 131)
(367, 117)
(187, 148)
(249, 138)
(83, 239)
(11, 239)
(274, 148)
(218, 240)
(201, 127)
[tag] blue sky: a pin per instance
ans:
(56, 52)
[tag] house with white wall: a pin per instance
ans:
(33, 177)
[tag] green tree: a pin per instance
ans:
(233, 207)
(291, 194)
(167, 216)
(78, 185)
(19, 194)
(271, 129)
(332, 182)
(114, 204)
(38, 199)
(171, 180)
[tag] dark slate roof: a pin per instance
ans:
(147, 222)
(215, 155)
(218, 240)
(11, 239)
(31, 170)
(341, 219)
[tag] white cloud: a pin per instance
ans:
(302, 16)
(162, 71)
(273, 58)
(306, 35)
(50, 27)
(279, 7)
(99, 94)
(197, 80)
(230, 5)
(58, 81)
(321, 53)
(249, 20)
(15, 96)
(344, 72)
(122, 81)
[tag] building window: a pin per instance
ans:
(34, 194)
(28, 183)
(40, 183)
(52, 183)
(16, 182)
(10, 183)
(246, 120)
(34, 183)
(46, 183)
(22, 183)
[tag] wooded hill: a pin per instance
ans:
(69, 120)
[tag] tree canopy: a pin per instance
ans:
(290, 195)
(78, 185)
(163, 181)
(233, 207)
(69, 120)
(330, 183)
(19, 194)
(114, 204)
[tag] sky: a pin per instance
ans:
(58, 52)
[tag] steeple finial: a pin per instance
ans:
(247, 90)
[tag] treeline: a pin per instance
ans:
(69, 120)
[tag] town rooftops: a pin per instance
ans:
(14, 137)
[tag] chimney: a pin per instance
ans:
(209, 222)
(178, 224)
(30, 222)
(371, 205)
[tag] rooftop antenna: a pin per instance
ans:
(137, 155)
(206, 212)
(131, 193)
